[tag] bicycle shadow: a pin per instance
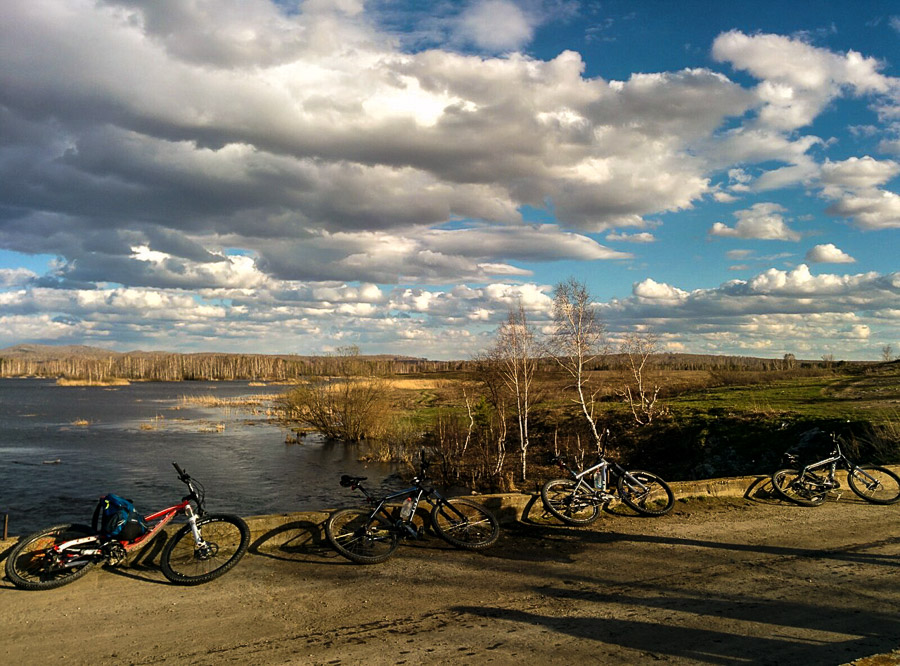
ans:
(297, 541)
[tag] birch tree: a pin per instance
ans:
(577, 339)
(516, 354)
(640, 390)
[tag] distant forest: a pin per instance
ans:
(95, 364)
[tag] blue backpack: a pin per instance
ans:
(117, 518)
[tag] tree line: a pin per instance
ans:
(148, 366)
(99, 365)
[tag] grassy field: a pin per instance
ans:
(715, 423)
(870, 393)
(873, 396)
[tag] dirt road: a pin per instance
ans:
(715, 582)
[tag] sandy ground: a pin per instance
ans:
(715, 582)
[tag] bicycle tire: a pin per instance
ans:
(28, 568)
(477, 529)
(788, 486)
(656, 499)
(226, 539)
(360, 536)
(886, 489)
(570, 503)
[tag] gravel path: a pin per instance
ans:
(715, 582)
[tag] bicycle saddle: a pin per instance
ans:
(347, 480)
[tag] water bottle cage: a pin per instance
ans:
(407, 509)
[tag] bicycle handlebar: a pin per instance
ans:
(184, 476)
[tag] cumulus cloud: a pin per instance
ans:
(828, 254)
(496, 25)
(855, 186)
(797, 79)
(15, 277)
(284, 126)
(641, 237)
(225, 166)
(773, 312)
(656, 292)
(762, 221)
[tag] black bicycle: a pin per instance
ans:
(203, 549)
(370, 536)
(577, 499)
(811, 485)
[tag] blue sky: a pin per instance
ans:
(292, 177)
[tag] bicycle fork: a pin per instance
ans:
(203, 549)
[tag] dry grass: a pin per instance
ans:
(111, 381)
(416, 384)
(217, 427)
(240, 401)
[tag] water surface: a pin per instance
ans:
(53, 468)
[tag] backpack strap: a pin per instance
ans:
(95, 521)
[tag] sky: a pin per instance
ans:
(281, 176)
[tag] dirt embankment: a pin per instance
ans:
(717, 581)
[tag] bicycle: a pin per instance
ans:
(811, 485)
(203, 549)
(577, 499)
(370, 536)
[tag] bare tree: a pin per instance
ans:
(641, 392)
(577, 339)
(887, 353)
(516, 353)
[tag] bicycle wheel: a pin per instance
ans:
(225, 540)
(570, 503)
(465, 524)
(34, 565)
(884, 489)
(645, 492)
(361, 537)
(790, 486)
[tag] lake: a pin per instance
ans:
(63, 447)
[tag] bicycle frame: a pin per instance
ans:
(416, 493)
(107, 548)
(604, 472)
(837, 456)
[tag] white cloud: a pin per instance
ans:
(641, 237)
(650, 290)
(773, 313)
(828, 254)
(857, 173)
(283, 170)
(871, 210)
(798, 79)
(854, 185)
(14, 277)
(496, 25)
(762, 221)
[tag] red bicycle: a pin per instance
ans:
(203, 549)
